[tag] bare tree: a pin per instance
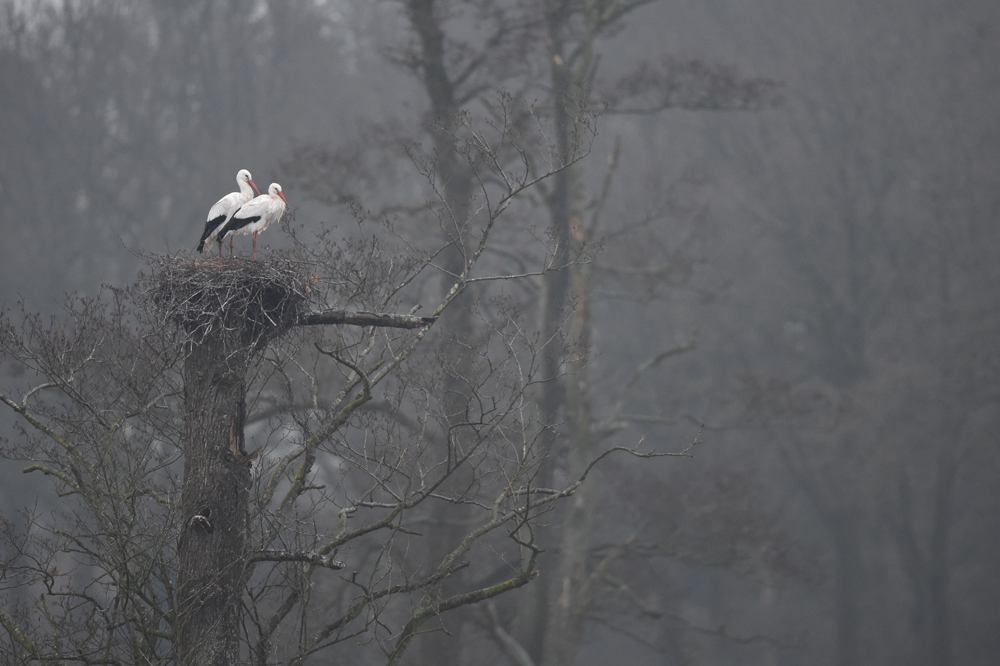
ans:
(889, 219)
(222, 560)
(549, 52)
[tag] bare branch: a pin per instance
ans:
(24, 641)
(327, 317)
(309, 557)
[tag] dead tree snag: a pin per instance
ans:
(230, 312)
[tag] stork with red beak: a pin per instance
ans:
(256, 215)
(222, 211)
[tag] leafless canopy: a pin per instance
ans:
(307, 449)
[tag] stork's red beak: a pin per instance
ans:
(250, 180)
(282, 195)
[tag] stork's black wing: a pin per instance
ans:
(236, 223)
(210, 226)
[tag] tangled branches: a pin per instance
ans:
(255, 300)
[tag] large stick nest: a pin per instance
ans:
(254, 300)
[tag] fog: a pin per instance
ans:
(828, 253)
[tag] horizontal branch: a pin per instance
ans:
(323, 317)
(529, 574)
(297, 556)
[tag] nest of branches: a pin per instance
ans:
(244, 301)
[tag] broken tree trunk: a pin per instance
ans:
(212, 552)
(230, 312)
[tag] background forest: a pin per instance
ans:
(783, 238)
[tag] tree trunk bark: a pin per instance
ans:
(573, 571)
(456, 181)
(549, 620)
(215, 500)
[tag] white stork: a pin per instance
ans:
(223, 209)
(256, 215)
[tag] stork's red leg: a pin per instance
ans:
(255, 246)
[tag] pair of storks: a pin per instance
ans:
(238, 213)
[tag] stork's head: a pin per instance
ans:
(275, 191)
(244, 177)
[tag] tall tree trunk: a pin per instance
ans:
(555, 641)
(215, 501)
(572, 598)
(455, 179)
(231, 314)
(531, 627)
